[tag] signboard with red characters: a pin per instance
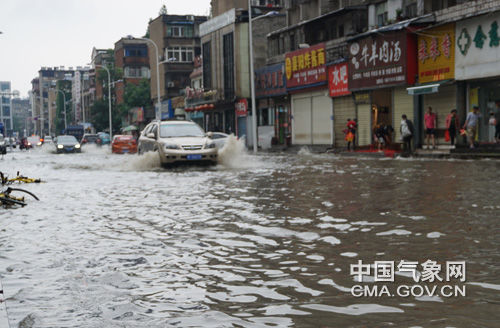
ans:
(241, 107)
(305, 66)
(338, 80)
(382, 60)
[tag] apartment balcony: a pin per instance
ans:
(267, 4)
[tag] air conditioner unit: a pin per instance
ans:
(170, 84)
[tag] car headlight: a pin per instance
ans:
(60, 146)
(77, 146)
(29, 143)
(39, 144)
(171, 146)
(210, 145)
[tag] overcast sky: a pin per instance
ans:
(49, 33)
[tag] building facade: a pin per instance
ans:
(6, 117)
(178, 41)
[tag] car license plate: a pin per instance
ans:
(125, 150)
(194, 157)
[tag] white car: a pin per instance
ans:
(48, 140)
(178, 141)
(219, 138)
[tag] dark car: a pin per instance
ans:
(91, 139)
(67, 144)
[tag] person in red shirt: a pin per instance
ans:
(351, 133)
(430, 119)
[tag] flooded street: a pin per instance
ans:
(256, 241)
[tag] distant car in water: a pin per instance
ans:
(48, 140)
(34, 141)
(105, 139)
(91, 139)
(124, 144)
(218, 138)
(67, 144)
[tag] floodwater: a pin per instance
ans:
(256, 241)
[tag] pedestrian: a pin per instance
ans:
(407, 130)
(452, 125)
(471, 124)
(350, 133)
(430, 119)
(379, 134)
(492, 122)
(497, 118)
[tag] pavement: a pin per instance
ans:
(4, 320)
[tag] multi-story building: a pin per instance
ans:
(43, 97)
(6, 106)
(131, 56)
(21, 114)
(226, 67)
(178, 41)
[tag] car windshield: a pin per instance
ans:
(66, 139)
(171, 130)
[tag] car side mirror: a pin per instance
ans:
(210, 134)
(151, 135)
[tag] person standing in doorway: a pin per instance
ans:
(407, 130)
(497, 118)
(471, 124)
(452, 125)
(430, 119)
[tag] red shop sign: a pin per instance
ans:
(338, 80)
(241, 107)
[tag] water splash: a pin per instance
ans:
(235, 155)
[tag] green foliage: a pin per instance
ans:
(64, 86)
(163, 10)
(138, 95)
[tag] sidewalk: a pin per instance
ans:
(4, 320)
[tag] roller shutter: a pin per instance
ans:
(343, 108)
(403, 104)
(321, 119)
(364, 115)
(301, 129)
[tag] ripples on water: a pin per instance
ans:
(256, 241)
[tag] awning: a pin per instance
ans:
(426, 88)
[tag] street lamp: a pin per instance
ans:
(252, 79)
(109, 100)
(64, 98)
(130, 37)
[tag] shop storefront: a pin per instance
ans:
(274, 117)
(382, 64)
(306, 81)
(477, 62)
(344, 107)
(436, 87)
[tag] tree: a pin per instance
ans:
(100, 111)
(64, 86)
(163, 10)
(136, 96)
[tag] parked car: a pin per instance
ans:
(105, 139)
(178, 141)
(3, 145)
(67, 144)
(34, 141)
(90, 139)
(124, 144)
(219, 138)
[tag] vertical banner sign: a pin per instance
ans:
(436, 54)
(338, 80)
(305, 66)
